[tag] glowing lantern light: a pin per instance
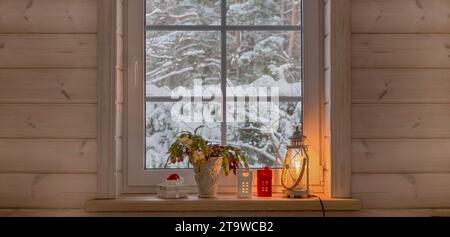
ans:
(296, 163)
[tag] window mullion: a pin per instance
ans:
(227, 27)
(223, 76)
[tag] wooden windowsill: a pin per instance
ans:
(151, 203)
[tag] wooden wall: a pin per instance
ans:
(48, 103)
(401, 103)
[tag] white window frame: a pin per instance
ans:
(136, 178)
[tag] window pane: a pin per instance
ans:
(183, 12)
(265, 59)
(259, 138)
(175, 59)
(165, 120)
(257, 12)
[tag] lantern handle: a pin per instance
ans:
(298, 179)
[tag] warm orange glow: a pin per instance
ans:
(297, 164)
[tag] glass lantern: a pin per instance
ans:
(296, 164)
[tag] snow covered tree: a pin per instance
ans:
(254, 58)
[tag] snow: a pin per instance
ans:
(194, 53)
(256, 61)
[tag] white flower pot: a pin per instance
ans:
(207, 177)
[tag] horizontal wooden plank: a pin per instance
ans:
(48, 121)
(48, 155)
(400, 121)
(46, 190)
(48, 16)
(48, 86)
(400, 16)
(416, 212)
(400, 156)
(401, 51)
(402, 190)
(48, 50)
(400, 86)
(133, 203)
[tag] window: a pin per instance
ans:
(236, 66)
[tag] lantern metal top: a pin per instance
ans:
(297, 139)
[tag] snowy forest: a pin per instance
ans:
(174, 59)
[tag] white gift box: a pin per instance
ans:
(170, 189)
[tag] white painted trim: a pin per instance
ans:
(313, 76)
(229, 203)
(340, 88)
(107, 182)
(136, 178)
(135, 139)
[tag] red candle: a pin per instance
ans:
(264, 182)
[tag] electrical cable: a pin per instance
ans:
(321, 204)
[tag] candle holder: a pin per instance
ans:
(245, 181)
(264, 182)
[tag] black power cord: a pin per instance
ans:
(321, 204)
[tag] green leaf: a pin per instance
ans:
(226, 165)
(225, 161)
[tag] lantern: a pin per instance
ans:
(296, 164)
(245, 179)
(264, 182)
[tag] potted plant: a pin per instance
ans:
(207, 159)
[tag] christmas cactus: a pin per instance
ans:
(199, 150)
